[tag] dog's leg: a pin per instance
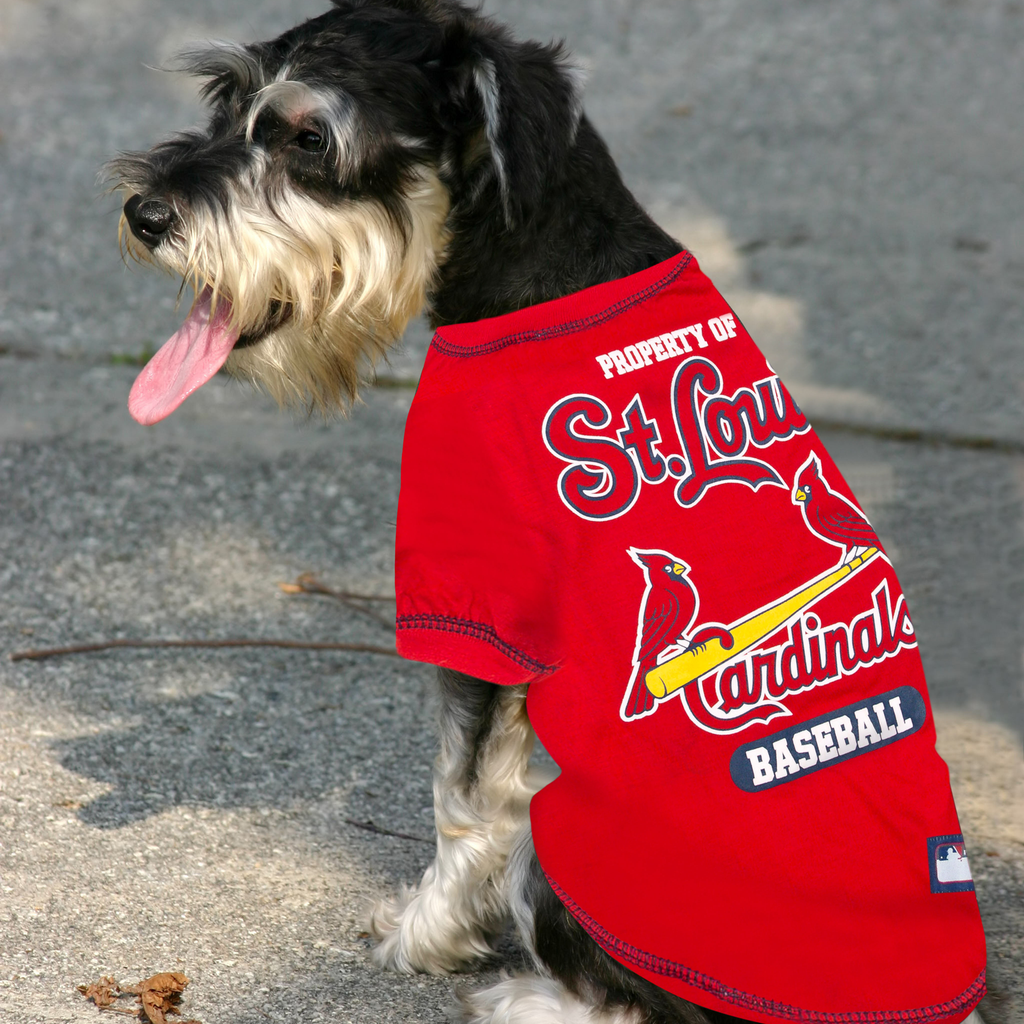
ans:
(576, 981)
(482, 790)
(536, 999)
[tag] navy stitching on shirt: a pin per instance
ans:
(478, 631)
(659, 965)
(569, 327)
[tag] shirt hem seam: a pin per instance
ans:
(659, 965)
(476, 631)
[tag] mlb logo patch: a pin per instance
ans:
(948, 865)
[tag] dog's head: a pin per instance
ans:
(312, 213)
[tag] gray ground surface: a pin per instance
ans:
(849, 173)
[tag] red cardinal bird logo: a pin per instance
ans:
(668, 610)
(829, 515)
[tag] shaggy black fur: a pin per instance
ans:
(539, 209)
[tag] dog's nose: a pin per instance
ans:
(149, 219)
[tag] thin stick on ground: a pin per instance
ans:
(377, 830)
(107, 645)
(307, 583)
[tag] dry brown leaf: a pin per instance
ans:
(160, 995)
(103, 992)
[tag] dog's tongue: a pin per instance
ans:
(185, 362)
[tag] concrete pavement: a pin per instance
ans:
(849, 175)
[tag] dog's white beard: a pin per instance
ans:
(346, 277)
(352, 286)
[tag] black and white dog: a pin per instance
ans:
(388, 157)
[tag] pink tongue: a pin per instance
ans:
(185, 362)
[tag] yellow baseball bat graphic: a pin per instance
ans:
(684, 668)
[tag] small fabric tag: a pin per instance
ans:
(948, 865)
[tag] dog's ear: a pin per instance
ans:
(530, 97)
(532, 102)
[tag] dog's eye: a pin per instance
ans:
(311, 141)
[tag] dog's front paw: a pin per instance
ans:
(530, 999)
(420, 931)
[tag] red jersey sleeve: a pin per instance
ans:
(475, 563)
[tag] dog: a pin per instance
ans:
(387, 158)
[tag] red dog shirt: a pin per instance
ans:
(613, 498)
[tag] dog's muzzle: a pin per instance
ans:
(149, 219)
